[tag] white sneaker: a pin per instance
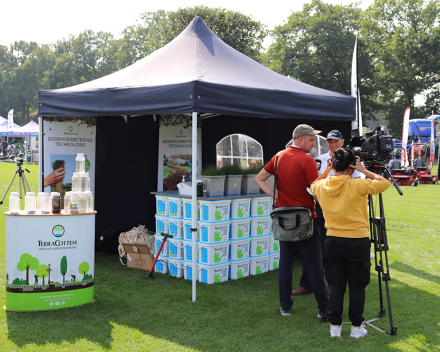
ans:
(358, 331)
(335, 330)
(372, 256)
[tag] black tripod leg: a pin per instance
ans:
(25, 183)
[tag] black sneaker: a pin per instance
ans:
(285, 312)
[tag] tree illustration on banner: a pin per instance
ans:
(84, 269)
(27, 262)
(42, 271)
(63, 267)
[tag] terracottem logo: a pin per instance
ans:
(58, 231)
(70, 128)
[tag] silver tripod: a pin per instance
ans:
(23, 184)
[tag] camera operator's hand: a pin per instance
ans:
(359, 167)
(54, 176)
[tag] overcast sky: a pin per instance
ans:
(47, 21)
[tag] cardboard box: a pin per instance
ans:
(138, 256)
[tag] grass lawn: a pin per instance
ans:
(134, 314)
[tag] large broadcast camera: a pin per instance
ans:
(375, 149)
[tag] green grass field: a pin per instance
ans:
(134, 314)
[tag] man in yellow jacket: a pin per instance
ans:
(344, 204)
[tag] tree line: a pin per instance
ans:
(399, 53)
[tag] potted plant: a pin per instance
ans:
(248, 185)
(234, 175)
(213, 179)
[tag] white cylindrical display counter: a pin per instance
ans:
(50, 261)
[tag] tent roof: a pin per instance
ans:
(31, 129)
(420, 126)
(197, 71)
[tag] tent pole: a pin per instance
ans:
(40, 156)
(194, 206)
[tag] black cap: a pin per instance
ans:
(335, 134)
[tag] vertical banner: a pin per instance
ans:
(403, 155)
(62, 140)
(175, 156)
(10, 119)
(354, 86)
(412, 154)
(432, 149)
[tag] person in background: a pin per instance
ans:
(5, 148)
(344, 204)
(295, 172)
(334, 141)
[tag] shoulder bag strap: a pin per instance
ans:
(275, 180)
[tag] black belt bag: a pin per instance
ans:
(292, 224)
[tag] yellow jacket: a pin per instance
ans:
(344, 204)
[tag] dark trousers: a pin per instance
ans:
(311, 254)
(304, 281)
(348, 262)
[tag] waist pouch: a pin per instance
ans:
(292, 224)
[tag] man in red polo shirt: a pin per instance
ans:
(295, 172)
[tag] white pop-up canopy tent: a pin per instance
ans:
(197, 73)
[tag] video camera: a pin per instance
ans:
(375, 149)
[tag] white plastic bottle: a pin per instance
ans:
(14, 203)
(80, 162)
(30, 203)
(74, 203)
(67, 202)
(85, 182)
(90, 202)
(39, 199)
(83, 202)
(46, 206)
(76, 182)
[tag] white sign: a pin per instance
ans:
(61, 142)
(175, 156)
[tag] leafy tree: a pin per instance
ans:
(157, 29)
(63, 267)
(316, 45)
(42, 272)
(27, 262)
(400, 34)
(83, 268)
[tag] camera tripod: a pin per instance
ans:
(378, 236)
(22, 180)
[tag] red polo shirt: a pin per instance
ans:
(295, 172)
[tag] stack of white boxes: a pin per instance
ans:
(234, 238)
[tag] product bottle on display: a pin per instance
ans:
(14, 203)
(67, 201)
(30, 203)
(85, 182)
(74, 203)
(83, 202)
(39, 198)
(80, 162)
(46, 206)
(56, 203)
(90, 201)
(76, 182)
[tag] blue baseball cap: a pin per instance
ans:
(335, 134)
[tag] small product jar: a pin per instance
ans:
(46, 206)
(90, 201)
(30, 203)
(80, 162)
(76, 181)
(74, 203)
(83, 202)
(67, 202)
(14, 203)
(85, 182)
(56, 203)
